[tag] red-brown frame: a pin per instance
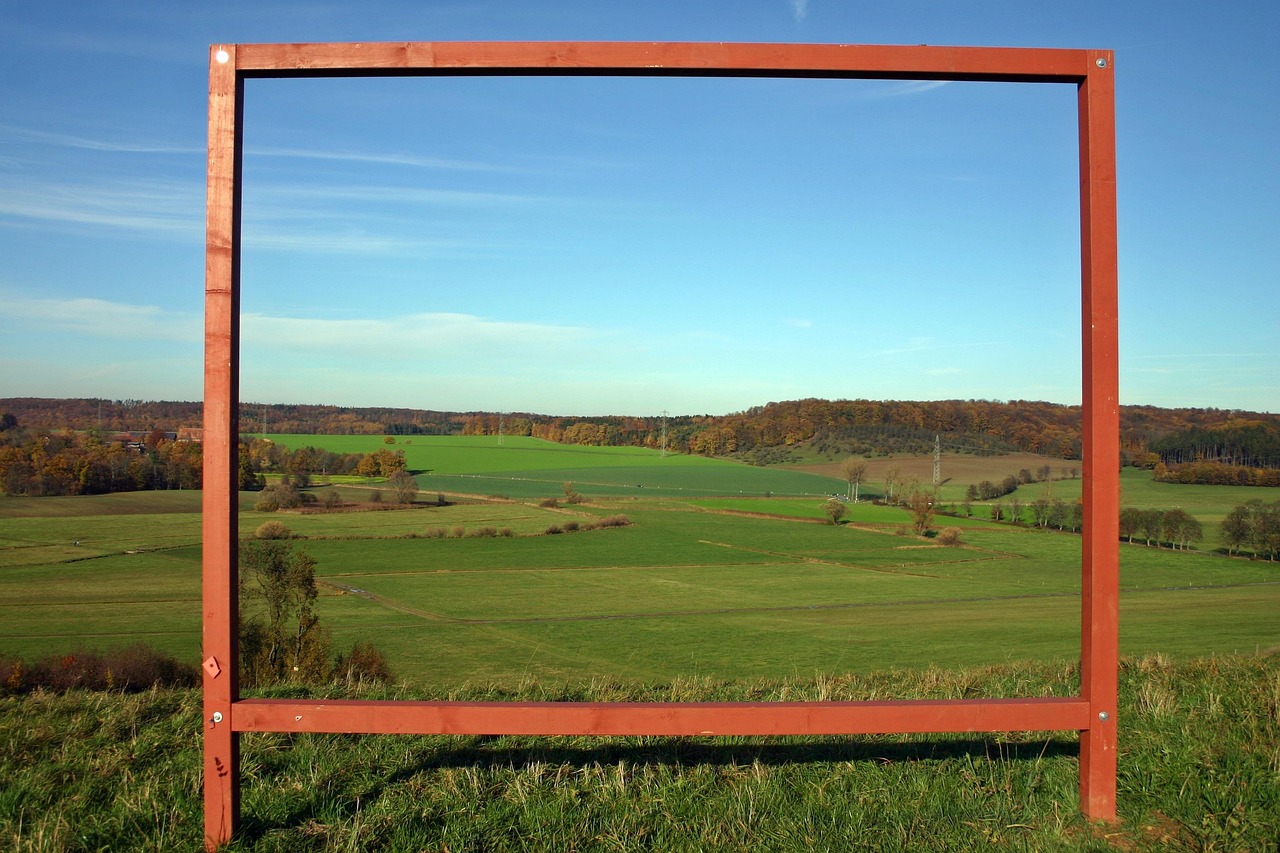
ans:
(1092, 713)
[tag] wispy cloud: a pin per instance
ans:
(382, 194)
(417, 334)
(903, 88)
(102, 318)
(65, 140)
(800, 9)
(157, 207)
(391, 159)
(413, 334)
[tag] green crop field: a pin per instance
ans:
(705, 581)
(521, 467)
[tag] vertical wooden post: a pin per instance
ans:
(1100, 638)
(221, 436)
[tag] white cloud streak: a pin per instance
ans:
(64, 140)
(411, 335)
(165, 208)
(102, 318)
(397, 159)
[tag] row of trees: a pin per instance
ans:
(1174, 527)
(1254, 526)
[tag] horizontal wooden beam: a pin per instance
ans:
(915, 62)
(656, 718)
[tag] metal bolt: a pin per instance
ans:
(1104, 716)
(216, 718)
(1100, 62)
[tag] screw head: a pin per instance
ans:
(1104, 716)
(1100, 62)
(217, 717)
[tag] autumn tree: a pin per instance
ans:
(855, 471)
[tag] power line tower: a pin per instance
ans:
(937, 461)
(502, 436)
(664, 433)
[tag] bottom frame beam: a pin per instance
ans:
(642, 718)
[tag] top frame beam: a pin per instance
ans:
(880, 62)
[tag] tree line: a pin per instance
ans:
(1180, 435)
(1252, 444)
(1174, 527)
(40, 463)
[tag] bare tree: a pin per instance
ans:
(892, 477)
(855, 471)
(921, 506)
(405, 486)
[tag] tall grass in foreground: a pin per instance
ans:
(1199, 770)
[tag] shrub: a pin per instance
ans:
(273, 530)
(130, 669)
(615, 521)
(549, 503)
(365, 662)
(282, 496)
(375, 497)
(435, 533)
(553, 530)
(459, 532)
(331, 499)
(950, 536)
(571, 526)
(485, 533)
(506, 533)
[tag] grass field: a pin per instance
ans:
(732, 587)
(521, 467)
(711, 593)
(1198, 770)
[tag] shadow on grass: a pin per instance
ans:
(499, 753)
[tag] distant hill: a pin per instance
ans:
(837, 426)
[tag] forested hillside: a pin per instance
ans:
(1149, 434)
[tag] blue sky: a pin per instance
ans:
(627, 246)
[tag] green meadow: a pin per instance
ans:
(522, 467)
(705, 581)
